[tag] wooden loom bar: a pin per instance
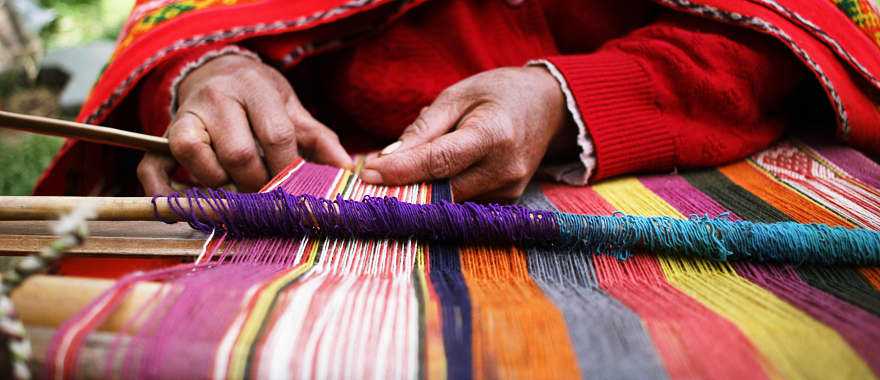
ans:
(129, 238)
(86, 132)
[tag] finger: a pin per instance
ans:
(433, 121)
(272, 125)
(234, 143)
(444, 157)
(316, 141)
(481, 183)
(154, 173)
(322, 146)
(191, 146)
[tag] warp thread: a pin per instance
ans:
(278, 213)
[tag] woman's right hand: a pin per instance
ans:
(239, 121)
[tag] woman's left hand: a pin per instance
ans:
(488, 134)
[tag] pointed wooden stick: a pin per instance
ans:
(86, 132)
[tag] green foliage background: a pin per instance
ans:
(82, 21)
(22, 162)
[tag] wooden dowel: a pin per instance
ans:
(86, 132)
(106, 208)
(44, 300)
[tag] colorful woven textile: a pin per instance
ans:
(315, 308)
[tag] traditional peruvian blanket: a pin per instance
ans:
(330, 308)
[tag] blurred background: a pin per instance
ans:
(51, 52)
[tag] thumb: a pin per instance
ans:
(433, 121)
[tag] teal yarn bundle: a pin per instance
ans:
(722, 239)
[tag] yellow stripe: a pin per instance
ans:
(792, 342)
(262, 306)
(435, 352)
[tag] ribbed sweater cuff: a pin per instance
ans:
(616, 97)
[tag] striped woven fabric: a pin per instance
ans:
(321, 308)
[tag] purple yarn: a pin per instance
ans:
(278, 213)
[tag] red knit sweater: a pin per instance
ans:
(655, 90)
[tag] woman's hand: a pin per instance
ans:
(487, 133)
(238, 121)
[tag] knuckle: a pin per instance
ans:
(212, 93)
(440, 162)
(144, 169)
(239, 156)
(418, 127)
(250, 77)
(184, 145)
(329, 135)
(518, 171)
(280, 138)
(305, 122)
(214, 180)
(499, 133)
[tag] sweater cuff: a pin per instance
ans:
(158, 99)
(572, 173)
(616, 99)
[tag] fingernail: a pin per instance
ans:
(371, 176)
(391, 148)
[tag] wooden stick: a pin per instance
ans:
(106, 208)
(86, 132)
(106, 239)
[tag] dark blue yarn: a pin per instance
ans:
(277, 213)
(455, 303)
(451, 289)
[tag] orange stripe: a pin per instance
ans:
(783, 198)
(872, 275)
(517, 331)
